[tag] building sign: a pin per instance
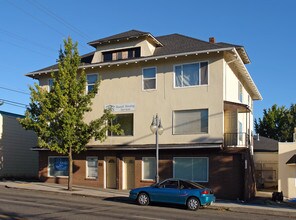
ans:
(127, 107)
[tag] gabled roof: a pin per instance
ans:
(264, 144)
(124, 36)
(292, 160)
(240, 49)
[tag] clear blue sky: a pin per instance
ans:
(31, 33)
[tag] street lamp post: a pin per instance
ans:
(156, 129)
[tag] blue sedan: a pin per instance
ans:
(176, 191)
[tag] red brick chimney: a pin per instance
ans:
(212, 40)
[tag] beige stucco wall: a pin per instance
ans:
(16, 158)
(231, 87)
(266, 157)
(123, 84)
(287, 173)
(231, 94)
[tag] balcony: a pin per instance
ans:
(237, 139)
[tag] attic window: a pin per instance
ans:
(121, 54)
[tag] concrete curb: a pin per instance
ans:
(284, 210)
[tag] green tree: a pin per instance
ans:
(277, 123)
(57, 116)
(292, 119)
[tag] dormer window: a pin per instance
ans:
(121, 54)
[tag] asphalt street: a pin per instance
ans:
(27, 204)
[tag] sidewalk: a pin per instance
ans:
(259, 205)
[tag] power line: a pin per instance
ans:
(17, 104)
(13, 90)
(59, 19)
(37, 19)
(23, 39)
(16, 45)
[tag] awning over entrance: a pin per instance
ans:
(233, 106)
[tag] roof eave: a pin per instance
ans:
(145, 59)
(246, 75)
(96, 43)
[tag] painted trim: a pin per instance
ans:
(86, 168)
(148, 90)
(87, 84)
(32, 74)
(199, 75)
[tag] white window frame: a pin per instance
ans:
(199, 75)
(143, 79)
(86, 167)
(201, 181)
(48, 168)
(50, 84)
(240, 132)
(240, 92)
(142, 176)
(92, 84)
(173, 122)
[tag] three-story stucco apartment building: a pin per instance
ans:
(203, 94)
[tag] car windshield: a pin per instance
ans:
(154, 184)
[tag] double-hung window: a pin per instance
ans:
(126, 122)
(190, 121)
(240, 131)
(148, 168)
(58, 166)
(50, 84)
(91, 81)
(92, 167)
(192, 168)
(240, 92)
(149, 78)
(193, 74)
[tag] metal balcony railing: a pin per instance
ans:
(237, 139)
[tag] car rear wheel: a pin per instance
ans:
(143, 199)
(193, 203)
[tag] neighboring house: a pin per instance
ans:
(17, 160)
(287, 169)
(203, 94)
(266, 162)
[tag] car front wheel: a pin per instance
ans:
(143, 199)
(193, 204)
